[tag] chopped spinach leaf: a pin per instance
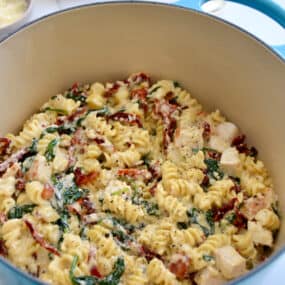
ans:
(208, 257)
(153, 132)
(103, 112)
(82, 232)
(213, 168)
(51, 130)
(231, 217)
(146, 159)
(120, 222)
(50, 151)
(151, 208)
(182, 225)
(59, 111)
(66, 129)
(27, 163)
(210, 221)
(112, 279)
(33, 147)
(120, 235)
(236, 180)
(154, 89)
(193, 215)
(120, 191)
(18, 212)
(195, 150)
(176, 84)
(275, 209)
(72, 194)
(63, 226)
(76, 96)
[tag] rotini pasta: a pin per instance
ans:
(133, 183)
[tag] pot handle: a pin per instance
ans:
(267, 7)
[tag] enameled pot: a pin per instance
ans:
(222, 66)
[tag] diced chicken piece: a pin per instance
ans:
(227, 131)
(254, 204)
(39, 170)
(190, 137)
(218, 143)
(209, 276)
(230, 262)
(230, 161)
(259, 234)
(268, 219)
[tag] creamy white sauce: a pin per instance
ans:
(11, 11)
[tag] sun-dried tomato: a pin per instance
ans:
(180, 266)
(165, 110)
(238, 140)
(139, 78)
(76, 114)
(205, 181)
(18, 156)
(239, 143)
(132, 119)
(140, 95)
(152, 190)
(253, 152)
(4, 145)
(47, 192)
(236, 188)
(218, 213)
(40, 239)
(95, 272)
(148, 254)
(3, 249)
(111, 91)
(87, 206)
(83, 179)
(240, 220)
(214, 154)
(78, 137)
(99, 140)
(74, 86)
(206, 131)
(20, 184)
(155, 170)
(134, 172)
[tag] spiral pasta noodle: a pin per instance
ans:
(244, 244)
(159, 274)
(131, 182)
(123, 208)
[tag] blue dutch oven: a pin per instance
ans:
(222, 65)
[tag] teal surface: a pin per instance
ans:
(267, 7)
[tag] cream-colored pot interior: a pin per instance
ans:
(221, 66)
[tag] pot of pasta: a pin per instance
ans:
(140, 144)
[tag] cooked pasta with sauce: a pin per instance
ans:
(133, 182)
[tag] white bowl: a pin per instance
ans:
(14, 25)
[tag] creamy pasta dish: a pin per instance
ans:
(134, 183)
